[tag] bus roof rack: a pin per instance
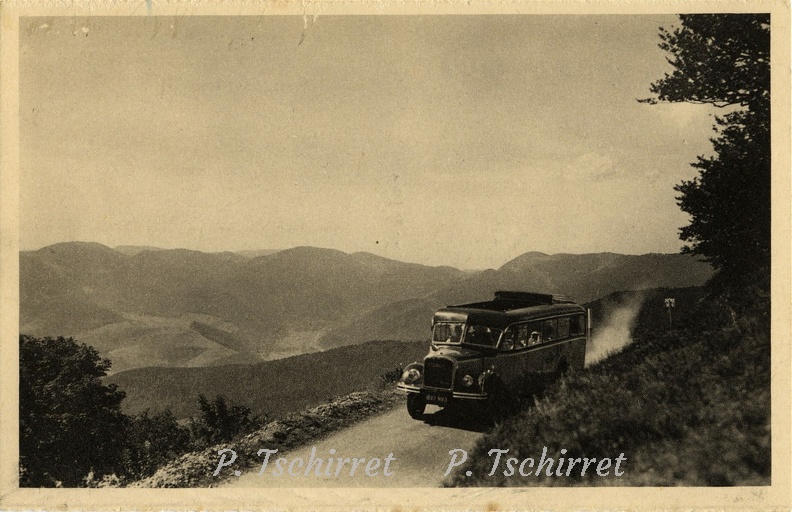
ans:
(508, 300)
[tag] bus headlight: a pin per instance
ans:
(467, 381)
(411, 375)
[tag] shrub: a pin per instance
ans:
(151, 441)
(220, 421)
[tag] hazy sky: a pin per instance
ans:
(459, 140)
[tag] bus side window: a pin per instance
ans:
(534, 330)
(578, 326)
(522, 336)
(509, 342)
(563, 327)
(549, 330)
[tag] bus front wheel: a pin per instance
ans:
(416, 403)
(499, 403)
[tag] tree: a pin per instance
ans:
(724, 60)
(70, 423)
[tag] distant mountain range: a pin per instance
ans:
(143, 306)
(134, 249)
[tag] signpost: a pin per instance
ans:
(670, 304)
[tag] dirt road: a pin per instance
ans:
(413, 453)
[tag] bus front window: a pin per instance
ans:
(447, 332)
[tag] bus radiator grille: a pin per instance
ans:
(438, 373)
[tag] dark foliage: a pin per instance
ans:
(152, 441)
(720, 59)
(219, 421)
(389, 378)
(72, 430)
(724, 60)
(729, 203)
(70, 423)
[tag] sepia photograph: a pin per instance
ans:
(374, 258)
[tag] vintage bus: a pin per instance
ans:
(495, 352)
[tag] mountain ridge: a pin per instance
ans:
(181, 307)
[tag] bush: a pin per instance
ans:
(389, 378)
(152, 441)
(220, 421)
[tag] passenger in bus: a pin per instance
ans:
(508, 340)
(535, 338)
(454, 334)
(472, 335)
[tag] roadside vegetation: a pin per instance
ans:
(74, 433)
(196, 468)
(688, 405)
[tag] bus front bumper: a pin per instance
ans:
(433, 394)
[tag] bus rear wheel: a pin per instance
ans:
(416, 404)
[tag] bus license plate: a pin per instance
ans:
(437, 398)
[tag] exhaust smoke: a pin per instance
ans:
(614, 334)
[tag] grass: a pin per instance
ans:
(688, 406)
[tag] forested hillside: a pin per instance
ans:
(271, 387)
